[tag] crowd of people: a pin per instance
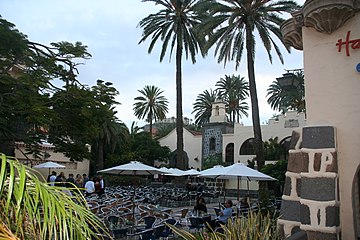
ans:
(88, 186)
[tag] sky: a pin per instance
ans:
(110, 30)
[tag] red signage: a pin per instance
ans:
(353, 44)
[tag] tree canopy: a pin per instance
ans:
(42, 100)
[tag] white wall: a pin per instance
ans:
(333, 97)
(192, 145)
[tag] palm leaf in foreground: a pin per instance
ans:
(33, 210)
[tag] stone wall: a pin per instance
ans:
(310, 201)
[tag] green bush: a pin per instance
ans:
(256, 226)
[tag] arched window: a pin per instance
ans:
(217, 111)
(285, 144)
(229, 153)
(212, 144)
(247, 148)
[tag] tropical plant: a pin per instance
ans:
(164, 129)
(174, 26)
(232, 27)
(256, 226)
(203, 106)
(276, 170)
(151, 105)
(234, 90)
(272, 149)
(31, 209)
(284, 99)
(213, 160)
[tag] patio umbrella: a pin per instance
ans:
(49, 165)
(239, 171)
(133, 168)
(175, 172)
(191, 172)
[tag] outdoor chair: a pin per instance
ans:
(181, 216)
(196, 223)
(158, 230)
(148, 221)
(167, 230)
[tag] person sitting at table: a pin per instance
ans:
(223, 216)
(244, 203)
(200, 205)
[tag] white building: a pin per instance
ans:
(233, 142)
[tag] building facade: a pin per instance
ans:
(232, 142)
(50, 155)
(321, 197)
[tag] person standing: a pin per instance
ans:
(102, 186)
(70, 181)
(79, 181)
(52, 178)
(89, 187)
(85, 179)
(60, 180)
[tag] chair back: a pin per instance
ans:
(196, 222)
(149, 221)
(147, 234)
(217, 211)
(112, 219)
(158, 230)
(167, 230)
(184, 212)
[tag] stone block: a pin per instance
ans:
(287, 186)
(295, 137)
(318, 137)
(318, 189)
(321, 236)
(298, 162)
(332, 216)
(304, 214)
(290, 210)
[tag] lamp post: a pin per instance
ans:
(289, 80)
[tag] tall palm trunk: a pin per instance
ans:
(179, 114)
(259, 150)
(101, 153)
(151, 124)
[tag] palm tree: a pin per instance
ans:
(111, 133)
(281, 99)
(174, 26)
(203, 107)
(232, 27)
(151, 105)
(233, 90)
(107, 122)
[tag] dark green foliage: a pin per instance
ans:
(292, 98)
(272, 149)
(211, 161)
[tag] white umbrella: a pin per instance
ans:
(239, 171)
(175, 172)
(191, 172)
(133, 168)
(49, 165)
(214, 171)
